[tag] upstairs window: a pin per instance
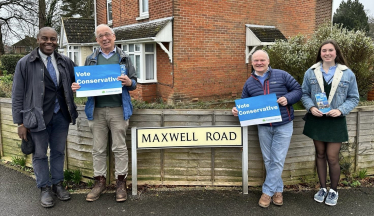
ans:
(109, 11)
(143, 7)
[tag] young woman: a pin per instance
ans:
(325, 123)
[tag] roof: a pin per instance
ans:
(141, 30)
(27, 41)
(79, 30)
(266, 33)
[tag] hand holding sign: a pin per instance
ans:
(258, 110)
(97, 80)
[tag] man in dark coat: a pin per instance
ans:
(43, 105)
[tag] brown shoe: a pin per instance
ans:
(264, 201)
(121, 194)
(278, 198)
(98, 189)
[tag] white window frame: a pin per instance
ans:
(143, 14)
(71, 49)
(141, 52)
(110, 21)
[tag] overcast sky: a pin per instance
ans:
(368, 6)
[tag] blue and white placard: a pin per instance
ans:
(258, 110)
(97, 80)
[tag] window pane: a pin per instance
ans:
(131, 47)
(145, 5)
(149, 47)
(137, 63)
(124, 47)
(110, 11)
(76, 60)
(75, 48)
(149, 67)
(137, 47)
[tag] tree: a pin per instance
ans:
(15, 15)
(81, 8)
(299, 53)
(352, 15)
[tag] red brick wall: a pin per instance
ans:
(209, 40)
(125, 12)
(101, 12)
(323, 12)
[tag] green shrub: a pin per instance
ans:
(6, 82)
(19, 161)
(9, 62)
(72, 176)
(299, 53)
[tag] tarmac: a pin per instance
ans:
(20, 196)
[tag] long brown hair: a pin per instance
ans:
(339, 55)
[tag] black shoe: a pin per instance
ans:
(46, 198)
(61, 193)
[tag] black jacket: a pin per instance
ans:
(28, 90)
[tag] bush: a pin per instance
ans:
(299, 53)
(9, 62)
(6, 82)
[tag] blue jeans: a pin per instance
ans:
(274, 142)
(55, 135)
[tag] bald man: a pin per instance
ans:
(275, 137)
(43, 105)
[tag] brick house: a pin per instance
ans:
(25, 45)
(192, 49)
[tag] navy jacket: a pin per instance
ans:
(282, 84)
(28, 90)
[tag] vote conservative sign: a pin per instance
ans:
(258, 110)
(97, 80)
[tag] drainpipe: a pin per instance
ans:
(95, 13)
(332, 12)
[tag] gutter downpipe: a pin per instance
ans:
(95, 13)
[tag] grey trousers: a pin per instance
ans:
(106, 119)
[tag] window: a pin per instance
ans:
(143, 7)
(143, 57)
(109, 11)
(73, 54)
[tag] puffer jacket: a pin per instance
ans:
(28, 89)
(126, 99)
(282, 84)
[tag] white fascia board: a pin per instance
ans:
(137, 40)
(258, 26)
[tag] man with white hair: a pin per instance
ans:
(274, 137)
(109, 112)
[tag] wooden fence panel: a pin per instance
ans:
(201, 166)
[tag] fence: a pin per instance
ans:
(201, 166)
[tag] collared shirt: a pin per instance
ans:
(263, 77)
(53, 60)
(107, 56)
(328, 76)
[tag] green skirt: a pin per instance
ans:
(326, 129)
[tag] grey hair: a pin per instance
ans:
(101, 26)
(267, 55)
(45, 29)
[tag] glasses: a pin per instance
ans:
(106, 34)
(52, 39)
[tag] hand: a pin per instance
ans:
(282, 101)
(234, 111)
(75, 86)
(22, 132)
(334, 113)
(316, 112)
(126, 81)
